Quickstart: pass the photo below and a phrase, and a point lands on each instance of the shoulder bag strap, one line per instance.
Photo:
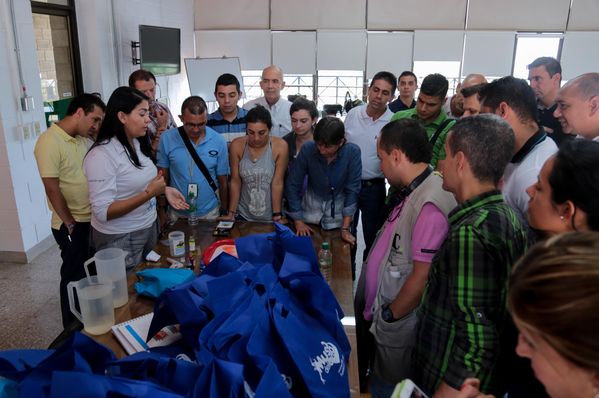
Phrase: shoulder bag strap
(197, 159)
(435, 136)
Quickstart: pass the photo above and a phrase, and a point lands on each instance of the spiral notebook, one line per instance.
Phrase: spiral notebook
(132, 334)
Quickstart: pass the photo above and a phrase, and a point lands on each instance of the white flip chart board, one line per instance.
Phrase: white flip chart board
(203, 72)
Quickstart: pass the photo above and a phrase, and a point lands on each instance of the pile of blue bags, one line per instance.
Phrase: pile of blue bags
(265, 324)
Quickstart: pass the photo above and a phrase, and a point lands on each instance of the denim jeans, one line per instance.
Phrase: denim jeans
(380, 388)
(370, 204)
(74, 250)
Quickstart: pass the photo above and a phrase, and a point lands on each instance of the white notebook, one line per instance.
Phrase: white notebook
(132, 334)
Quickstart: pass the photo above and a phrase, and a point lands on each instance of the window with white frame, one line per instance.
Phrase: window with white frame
(530, 46)
(334, 85)
(299, 84)
(251, 84)
(449, 69)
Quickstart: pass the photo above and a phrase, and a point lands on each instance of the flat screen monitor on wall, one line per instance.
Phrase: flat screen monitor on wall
(160, 49)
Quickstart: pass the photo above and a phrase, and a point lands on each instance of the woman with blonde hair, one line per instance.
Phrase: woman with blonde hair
(554, 300)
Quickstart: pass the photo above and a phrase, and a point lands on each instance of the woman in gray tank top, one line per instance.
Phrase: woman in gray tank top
(258, 163)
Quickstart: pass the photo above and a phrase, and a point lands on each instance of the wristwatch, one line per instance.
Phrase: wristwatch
(387, 314)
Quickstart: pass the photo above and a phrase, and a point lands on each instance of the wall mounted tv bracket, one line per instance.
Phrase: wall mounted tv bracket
(135, 59)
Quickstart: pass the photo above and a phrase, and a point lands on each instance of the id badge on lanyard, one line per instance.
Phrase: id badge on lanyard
(192, 189)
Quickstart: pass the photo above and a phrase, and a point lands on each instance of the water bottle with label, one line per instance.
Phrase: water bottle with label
(193, 251)
(192, 219)
(325, 261)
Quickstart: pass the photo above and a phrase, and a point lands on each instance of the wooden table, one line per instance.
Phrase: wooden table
(341, 282)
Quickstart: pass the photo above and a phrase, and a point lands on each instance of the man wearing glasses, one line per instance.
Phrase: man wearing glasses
(182, 171)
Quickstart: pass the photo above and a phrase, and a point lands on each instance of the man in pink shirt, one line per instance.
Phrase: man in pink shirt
(396, 271)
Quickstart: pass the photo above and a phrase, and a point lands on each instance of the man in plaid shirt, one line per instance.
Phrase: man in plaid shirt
(463, 312)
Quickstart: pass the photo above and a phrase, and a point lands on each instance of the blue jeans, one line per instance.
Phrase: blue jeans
(379, 388)
(370, 203)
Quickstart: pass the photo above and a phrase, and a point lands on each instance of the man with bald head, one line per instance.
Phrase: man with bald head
(471, 100)
(455, 106)
(271, 84)
(578, 106)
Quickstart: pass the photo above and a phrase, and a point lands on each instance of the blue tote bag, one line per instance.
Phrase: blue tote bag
(85, 385)
(220, 379)
(171, 373)
(320, 358)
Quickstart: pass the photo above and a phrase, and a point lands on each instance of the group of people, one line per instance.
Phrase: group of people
(471, 188)
(431, 299)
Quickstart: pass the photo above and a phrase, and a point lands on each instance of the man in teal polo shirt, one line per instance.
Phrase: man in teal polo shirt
(429, 112)
(179, 167)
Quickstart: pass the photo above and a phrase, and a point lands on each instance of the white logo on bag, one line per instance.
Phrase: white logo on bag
(287, 380)
(184, 357)
(325, 361)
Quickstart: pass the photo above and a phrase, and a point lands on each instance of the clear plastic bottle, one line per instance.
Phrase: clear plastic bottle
(325, 261)
(193, 218)
(192, 254)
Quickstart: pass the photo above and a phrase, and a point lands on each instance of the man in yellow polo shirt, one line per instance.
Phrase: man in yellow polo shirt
(59, 153)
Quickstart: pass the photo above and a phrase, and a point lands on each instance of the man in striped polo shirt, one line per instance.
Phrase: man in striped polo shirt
(463, 313)
(228, 119)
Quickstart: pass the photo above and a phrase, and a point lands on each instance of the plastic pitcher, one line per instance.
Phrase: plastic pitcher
(110, 263)
(95, 300)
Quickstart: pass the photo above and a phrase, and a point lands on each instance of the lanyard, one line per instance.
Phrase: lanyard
(190, 165)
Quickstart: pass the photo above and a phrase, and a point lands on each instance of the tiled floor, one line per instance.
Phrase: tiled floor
(29, 304)
(29, 301)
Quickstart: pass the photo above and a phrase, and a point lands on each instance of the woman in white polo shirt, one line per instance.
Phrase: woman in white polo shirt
(123, 180)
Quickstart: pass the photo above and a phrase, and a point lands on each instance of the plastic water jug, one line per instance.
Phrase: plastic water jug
(95, 301)
(110, 263)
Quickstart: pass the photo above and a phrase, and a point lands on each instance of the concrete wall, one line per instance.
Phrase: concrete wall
(24, 214)
(106, 64)
(105, 43)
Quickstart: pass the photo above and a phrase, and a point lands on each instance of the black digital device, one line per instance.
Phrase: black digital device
(160, 49)
(223, 228)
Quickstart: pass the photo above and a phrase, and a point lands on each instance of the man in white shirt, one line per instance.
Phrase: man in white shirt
(578, 106)
(454, 107)
(362, 126)
(514, 101)
(271, 84)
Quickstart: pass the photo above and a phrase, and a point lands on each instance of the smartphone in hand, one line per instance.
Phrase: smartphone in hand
(407, 389)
